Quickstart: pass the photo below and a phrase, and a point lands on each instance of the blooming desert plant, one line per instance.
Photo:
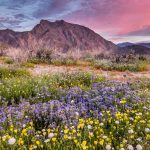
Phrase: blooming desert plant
(86, 113)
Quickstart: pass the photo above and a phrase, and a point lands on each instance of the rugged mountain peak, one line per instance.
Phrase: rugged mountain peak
(6, 31)
(48, 23)
(59, 35)
(60, 21)
(44, 21)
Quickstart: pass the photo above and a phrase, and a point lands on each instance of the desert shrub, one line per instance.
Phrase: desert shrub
(3, 48)
(109, 65)
(70, 62)
(64, 61)
(44, 55)
(18, 55)
(28, 65)
(102, 64)
(8, 60)
(142, 58)
(36, 61)
(99, 56)
(87, 57)
(57, 62)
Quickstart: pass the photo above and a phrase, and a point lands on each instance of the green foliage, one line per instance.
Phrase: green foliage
(28, 65)
(81, 79)
(7, 72)
(65, 61)
(8, 61)
(44, 55)
(109, 65)
(16, 89)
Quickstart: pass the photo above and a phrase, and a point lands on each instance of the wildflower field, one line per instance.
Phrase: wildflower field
(79, 111)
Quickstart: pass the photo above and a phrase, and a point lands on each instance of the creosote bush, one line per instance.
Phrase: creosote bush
(44, 55)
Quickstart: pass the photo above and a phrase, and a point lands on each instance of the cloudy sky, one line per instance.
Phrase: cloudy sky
(116, 20)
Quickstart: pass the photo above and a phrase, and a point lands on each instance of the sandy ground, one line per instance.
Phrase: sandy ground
(51, 69)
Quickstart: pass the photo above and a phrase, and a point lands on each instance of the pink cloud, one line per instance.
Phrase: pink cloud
(110, 18)
(114, 17)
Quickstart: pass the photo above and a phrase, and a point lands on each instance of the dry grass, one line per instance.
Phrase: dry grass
(18, 55)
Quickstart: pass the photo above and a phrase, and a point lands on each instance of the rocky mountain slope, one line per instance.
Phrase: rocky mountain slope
(59, 35)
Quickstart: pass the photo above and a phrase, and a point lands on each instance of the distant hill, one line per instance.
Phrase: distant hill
(144, 44)
(138, 49)
(125, 44)
(59, 35)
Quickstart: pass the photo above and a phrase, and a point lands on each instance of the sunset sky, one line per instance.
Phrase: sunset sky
(115, 20)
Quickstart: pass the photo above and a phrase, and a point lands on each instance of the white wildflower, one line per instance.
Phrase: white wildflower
(12, 141)
(130, 131)
(72, 101)
(47, 140)
(117, 122)
(76, 113)
(50, 135)
(104, 137)
(89, 127)
(130, 147)
(24, 125)
(108, 147)
(139, 139)
(139, 147)
(147, 130)
(43, 130)
(35, 147)
(101, 124)
(131, 118)
(4, 137)
(90, 133)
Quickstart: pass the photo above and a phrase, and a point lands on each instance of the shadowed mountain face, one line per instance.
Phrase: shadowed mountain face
(138, 48)
(145, 44)
(125, 44)
(59, 35)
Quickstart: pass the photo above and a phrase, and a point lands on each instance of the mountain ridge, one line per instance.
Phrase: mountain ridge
(138, 48)
(59, 35)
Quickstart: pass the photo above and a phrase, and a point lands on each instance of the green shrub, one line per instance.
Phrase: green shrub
(109, 65)
(44, 55)
(102, 64)
(28, 65)
(9, 61)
